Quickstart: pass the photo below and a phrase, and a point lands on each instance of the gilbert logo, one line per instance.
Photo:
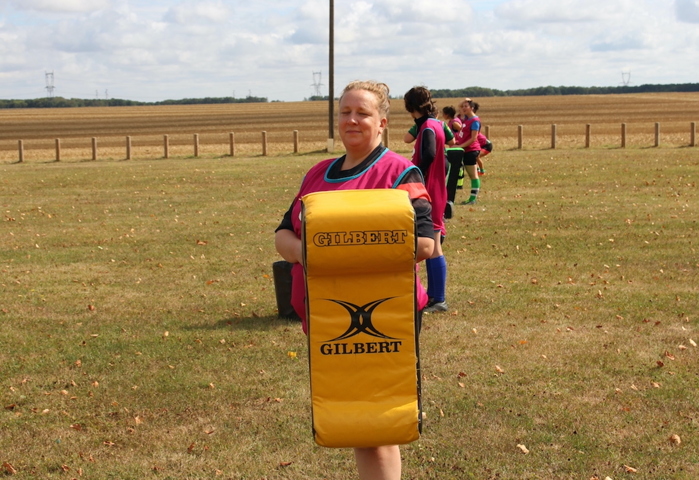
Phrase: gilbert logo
(373, 237)
(360, 322)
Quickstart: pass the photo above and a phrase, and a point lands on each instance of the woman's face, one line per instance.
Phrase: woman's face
(465, 108)
(360, 123)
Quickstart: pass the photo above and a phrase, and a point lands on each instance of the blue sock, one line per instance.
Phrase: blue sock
(437, 278)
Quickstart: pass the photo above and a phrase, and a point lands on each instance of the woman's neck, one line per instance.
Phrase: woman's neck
(355, 157)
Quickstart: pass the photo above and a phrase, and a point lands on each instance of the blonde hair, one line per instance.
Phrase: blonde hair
(380, 91)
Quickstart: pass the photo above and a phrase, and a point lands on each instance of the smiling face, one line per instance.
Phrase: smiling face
(360, 123)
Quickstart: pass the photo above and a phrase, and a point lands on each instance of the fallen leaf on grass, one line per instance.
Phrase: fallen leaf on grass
(675, 439)
(499, 369)
(524, 449)
(694, 344)
(630, 469)
(291, 355)
(285, 464)
(9, 469)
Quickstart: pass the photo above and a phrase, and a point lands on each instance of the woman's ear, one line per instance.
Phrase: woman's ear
(383, 123)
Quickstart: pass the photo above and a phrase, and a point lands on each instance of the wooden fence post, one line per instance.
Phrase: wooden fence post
(487, 131)
(553, 136)
(128, 148)
(385, 137)
(196, 144)
(296, 141)
(588, 132)
(58, 149)
(264, 143)
(20, 146)
(166, 146)
(657, 134)
(693, 134)
(94, 148)
(520, 135)
(623, 135)
(231, 141)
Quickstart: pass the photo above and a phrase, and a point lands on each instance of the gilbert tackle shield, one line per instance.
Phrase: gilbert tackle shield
(359, 253)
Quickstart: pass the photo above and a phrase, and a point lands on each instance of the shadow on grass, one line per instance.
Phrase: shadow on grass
(250, 323)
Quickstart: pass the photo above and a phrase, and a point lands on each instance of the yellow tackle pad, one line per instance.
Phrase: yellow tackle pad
(359, 253)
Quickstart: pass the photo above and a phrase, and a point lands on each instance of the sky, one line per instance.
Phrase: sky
(153, 50)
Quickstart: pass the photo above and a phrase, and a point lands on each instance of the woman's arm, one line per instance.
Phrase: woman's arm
(469, 140)
(288, 245)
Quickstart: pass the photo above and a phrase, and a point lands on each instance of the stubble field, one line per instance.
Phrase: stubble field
(38, 128)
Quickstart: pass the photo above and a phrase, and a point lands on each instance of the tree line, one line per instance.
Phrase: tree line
(551, 90)
(60, 102)
(478, 92)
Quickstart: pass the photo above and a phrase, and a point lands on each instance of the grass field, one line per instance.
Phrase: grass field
(140, 338)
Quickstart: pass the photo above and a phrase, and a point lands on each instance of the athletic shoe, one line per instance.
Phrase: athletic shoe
(449, 210)
(434, 307)
(469, 202)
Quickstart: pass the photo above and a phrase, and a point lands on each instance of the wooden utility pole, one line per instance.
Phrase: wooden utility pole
(331, 82)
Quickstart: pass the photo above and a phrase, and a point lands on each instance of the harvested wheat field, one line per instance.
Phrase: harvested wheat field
(39, 129)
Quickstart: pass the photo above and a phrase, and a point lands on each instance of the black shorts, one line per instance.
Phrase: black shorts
(488, 147)
(471, 157)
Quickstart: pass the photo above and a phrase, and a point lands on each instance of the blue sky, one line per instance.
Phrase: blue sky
(152, 50)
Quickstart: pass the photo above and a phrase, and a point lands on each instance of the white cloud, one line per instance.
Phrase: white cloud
(197, 12)
(60, 6)
(564, 10)
(687, 10)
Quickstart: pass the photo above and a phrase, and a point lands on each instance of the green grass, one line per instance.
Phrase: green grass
(140, 340)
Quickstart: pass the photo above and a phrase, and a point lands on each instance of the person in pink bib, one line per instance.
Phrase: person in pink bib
(367, 164)
(430, 157)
